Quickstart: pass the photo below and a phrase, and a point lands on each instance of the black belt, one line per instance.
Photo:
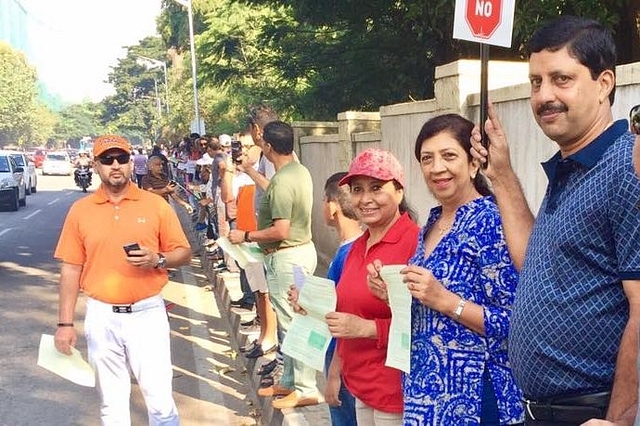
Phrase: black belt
(268, 251)
(571, 409)
(123, 309)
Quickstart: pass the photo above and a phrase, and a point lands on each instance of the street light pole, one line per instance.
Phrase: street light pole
(153, 63)
(187, 4)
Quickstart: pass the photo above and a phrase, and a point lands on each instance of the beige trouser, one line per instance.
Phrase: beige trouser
(371, 417)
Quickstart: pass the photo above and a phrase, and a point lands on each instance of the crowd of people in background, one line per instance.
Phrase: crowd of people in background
(515, 319)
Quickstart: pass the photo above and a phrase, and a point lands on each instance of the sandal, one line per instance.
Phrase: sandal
(267, 368)
(266, 381)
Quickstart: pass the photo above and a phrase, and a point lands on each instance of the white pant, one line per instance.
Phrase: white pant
(366, 415)
(137, 342)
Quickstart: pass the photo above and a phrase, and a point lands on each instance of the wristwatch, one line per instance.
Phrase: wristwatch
(162, 261)
(458, 312)
(246, 237)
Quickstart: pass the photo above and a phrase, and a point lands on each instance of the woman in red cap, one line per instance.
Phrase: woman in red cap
(361, 321)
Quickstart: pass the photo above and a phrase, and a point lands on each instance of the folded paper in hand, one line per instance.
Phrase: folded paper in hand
(71, 367)
(244, 253)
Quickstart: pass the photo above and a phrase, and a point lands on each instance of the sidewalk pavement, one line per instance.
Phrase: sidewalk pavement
(220, 346)
(226, 287)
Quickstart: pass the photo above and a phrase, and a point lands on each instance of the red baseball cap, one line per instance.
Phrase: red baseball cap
(375, 163)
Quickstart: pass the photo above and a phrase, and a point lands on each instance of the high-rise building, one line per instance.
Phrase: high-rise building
(14, 26)
(17, 28)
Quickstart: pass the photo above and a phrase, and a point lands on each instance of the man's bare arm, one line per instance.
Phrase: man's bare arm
(257, 177)
(68, 291)
(624, 396)
(517, 218)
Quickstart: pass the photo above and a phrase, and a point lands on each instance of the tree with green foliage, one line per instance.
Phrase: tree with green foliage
(133, 110)
(311, 60)
(18, 91)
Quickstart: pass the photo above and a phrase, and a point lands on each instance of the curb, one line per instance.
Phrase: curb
(226, 286)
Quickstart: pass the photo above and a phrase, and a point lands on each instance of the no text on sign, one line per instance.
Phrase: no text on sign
(484, 21)
(483, 17)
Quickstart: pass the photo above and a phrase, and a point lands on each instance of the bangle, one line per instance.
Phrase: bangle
(458, 312)
(65, 324)
(246, 237)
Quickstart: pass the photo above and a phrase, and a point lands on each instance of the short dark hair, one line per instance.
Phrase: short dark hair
(587, 40)
(279, 135)
(214, 144)
(339, 194)
(261, 115)
(460, 129)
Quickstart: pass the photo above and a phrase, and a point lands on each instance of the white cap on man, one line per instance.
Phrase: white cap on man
(225, 140)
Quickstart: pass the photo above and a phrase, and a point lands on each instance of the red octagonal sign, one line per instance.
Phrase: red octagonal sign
(483, 16)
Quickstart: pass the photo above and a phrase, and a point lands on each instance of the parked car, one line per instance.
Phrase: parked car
(30, 175)
(13, 191)
(57, 163)
(38, 156)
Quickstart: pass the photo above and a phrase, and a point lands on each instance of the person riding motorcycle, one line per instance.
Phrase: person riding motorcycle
(83, 160)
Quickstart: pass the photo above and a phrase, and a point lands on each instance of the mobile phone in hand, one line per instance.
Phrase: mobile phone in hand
(130, 247)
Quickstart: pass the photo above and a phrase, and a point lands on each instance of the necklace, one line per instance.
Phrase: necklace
(443, 229)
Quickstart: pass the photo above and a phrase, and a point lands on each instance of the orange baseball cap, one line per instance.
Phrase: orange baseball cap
(107, 142)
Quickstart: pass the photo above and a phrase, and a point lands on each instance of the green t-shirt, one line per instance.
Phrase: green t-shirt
(288, 196)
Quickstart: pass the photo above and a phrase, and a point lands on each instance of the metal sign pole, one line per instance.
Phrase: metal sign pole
(484, 91)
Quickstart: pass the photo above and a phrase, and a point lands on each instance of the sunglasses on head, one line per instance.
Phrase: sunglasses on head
(634, 119)
(109, 159)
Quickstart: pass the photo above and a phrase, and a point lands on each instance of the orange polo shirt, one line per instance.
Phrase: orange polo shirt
(94, 232)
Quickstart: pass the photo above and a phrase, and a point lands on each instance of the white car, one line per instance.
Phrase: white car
(57, 163)
(30, 176)
(13, 191)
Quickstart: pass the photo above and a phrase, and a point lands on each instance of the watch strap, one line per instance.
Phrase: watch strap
(458, 311)
(162, 261)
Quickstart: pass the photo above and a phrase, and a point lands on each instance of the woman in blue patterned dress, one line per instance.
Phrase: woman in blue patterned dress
(463, 284)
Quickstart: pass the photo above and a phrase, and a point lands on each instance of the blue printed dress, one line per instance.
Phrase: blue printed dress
(448, 360)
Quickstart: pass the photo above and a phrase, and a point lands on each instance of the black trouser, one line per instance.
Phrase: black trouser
(566, 410)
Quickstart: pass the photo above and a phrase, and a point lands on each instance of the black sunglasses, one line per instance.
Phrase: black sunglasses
(634, 120)
(108, 160)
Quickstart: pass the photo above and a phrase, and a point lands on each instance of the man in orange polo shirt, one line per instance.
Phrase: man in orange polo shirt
(126, 324)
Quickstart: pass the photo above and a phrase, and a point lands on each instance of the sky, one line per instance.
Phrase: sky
(76, 42)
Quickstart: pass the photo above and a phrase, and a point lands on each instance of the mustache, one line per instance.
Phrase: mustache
(553, 108)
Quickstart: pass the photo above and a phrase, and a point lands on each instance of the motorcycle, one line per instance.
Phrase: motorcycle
(83, 177)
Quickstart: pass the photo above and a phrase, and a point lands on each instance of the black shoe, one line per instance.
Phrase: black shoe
(250, 322)
(257, 352)
(220, 267)
(249, 347)
(245, 306)
(237, 303)
(267, 368)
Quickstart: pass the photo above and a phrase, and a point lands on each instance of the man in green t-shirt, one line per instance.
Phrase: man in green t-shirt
(284, 234)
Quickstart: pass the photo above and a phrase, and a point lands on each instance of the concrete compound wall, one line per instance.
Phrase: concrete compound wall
(328, 147)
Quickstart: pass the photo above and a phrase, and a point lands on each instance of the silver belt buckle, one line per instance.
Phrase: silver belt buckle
(122, 309)
(528, 403)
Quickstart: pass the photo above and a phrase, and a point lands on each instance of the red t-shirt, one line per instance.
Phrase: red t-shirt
(363, 369)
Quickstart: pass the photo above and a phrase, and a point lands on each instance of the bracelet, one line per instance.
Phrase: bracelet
(458, 312)
(65, 324)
